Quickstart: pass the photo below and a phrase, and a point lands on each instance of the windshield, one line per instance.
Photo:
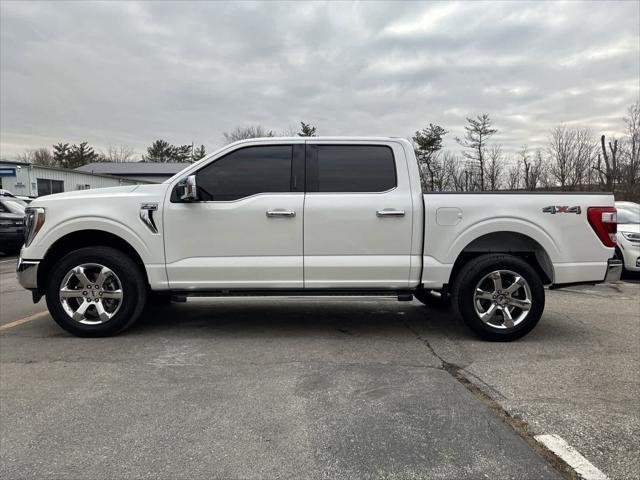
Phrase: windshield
(14, 206)
(629, 214)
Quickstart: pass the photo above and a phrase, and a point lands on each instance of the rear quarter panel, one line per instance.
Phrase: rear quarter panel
(454, 220)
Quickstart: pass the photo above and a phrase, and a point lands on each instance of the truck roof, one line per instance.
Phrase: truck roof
(320, 139)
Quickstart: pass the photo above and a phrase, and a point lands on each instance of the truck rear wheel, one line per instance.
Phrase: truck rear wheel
(95, 292)
(500, 297)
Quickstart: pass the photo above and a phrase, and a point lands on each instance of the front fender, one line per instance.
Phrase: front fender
(46, 238)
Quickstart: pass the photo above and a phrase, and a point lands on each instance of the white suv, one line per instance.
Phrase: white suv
(628, 249)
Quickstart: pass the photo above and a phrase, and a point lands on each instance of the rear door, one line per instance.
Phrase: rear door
(357, 216)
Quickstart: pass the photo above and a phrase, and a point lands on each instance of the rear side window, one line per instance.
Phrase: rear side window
(246, 172)
(350, 168)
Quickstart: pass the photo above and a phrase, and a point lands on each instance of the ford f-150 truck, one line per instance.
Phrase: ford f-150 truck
(311, 216)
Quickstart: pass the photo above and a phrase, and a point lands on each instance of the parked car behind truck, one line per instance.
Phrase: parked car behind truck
(628, 238)
(11, 224)
(315, 216)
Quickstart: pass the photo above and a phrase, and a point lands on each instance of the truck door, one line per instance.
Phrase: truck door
(245, 230)
(357, 216)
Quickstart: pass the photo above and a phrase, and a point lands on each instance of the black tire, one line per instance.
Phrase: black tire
(156, 303)
(465, 287)
(134, 290)
(159, 299)
(619, 256)
(433, 298)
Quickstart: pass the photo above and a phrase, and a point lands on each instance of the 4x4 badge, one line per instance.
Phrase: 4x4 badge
(563, 209)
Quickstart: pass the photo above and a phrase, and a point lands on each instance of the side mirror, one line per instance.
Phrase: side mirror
(188, 190)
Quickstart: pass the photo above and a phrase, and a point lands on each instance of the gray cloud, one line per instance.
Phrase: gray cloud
(128, 73)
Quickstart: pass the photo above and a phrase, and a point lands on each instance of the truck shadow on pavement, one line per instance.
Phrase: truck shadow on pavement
(293, 317)
(271, 318)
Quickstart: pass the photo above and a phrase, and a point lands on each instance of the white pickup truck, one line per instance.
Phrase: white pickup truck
(311, 216)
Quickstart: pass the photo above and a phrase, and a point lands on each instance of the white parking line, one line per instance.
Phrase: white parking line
(11, 260)
(583, 467)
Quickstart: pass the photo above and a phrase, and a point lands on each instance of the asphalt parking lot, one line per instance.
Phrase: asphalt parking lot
(318, 388)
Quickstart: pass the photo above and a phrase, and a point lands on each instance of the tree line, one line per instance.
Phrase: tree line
(65, 155)
(573, 159)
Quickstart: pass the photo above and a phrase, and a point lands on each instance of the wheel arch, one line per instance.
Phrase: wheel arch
(86, 238)
(508, 242)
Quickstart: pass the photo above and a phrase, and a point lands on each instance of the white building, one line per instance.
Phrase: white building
(34, 180)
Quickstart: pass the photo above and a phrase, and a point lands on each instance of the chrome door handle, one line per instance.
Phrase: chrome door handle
(279, 212)
(390, 212)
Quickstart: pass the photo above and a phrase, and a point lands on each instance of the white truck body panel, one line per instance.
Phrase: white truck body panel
(335, 240)
(213, 245)
(346, 243)
(575, 251)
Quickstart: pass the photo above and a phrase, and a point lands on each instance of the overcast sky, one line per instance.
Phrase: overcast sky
(128, 73)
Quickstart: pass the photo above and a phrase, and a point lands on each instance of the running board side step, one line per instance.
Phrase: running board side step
(180, 296)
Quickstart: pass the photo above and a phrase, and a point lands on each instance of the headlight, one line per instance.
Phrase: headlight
(33, 221)
(631, 236)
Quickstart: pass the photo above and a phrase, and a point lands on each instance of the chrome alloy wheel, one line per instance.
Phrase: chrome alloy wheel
(502, 299)
(91, 293)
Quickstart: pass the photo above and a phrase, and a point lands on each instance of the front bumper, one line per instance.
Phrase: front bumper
(614, 270)
(630, 254)
(27, 273)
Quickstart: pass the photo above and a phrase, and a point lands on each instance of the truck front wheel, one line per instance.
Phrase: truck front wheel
(95, 292)
(500, 297)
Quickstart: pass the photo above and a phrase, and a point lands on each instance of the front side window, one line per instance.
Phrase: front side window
(245, 172)
(352, 168)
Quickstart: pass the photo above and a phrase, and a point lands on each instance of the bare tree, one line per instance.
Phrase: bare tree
(514, 177)
(560, 151)
(532, 168)
(243, 133)
(584, 156)
(493, 168)
(444, 174)
(458, 175)
(608, 172)
(478, 131)
(630, 170)
(38, 156)
(119, 154)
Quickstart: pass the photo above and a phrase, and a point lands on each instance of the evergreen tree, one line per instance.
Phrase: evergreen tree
(160, 151)
(307, 130)
(60, 154)
(427, 144)
(198, 153)
(181, 153)
(478, 132)
(79, 155)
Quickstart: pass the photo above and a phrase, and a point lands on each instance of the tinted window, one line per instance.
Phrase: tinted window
(246, 172)
(355, 168)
